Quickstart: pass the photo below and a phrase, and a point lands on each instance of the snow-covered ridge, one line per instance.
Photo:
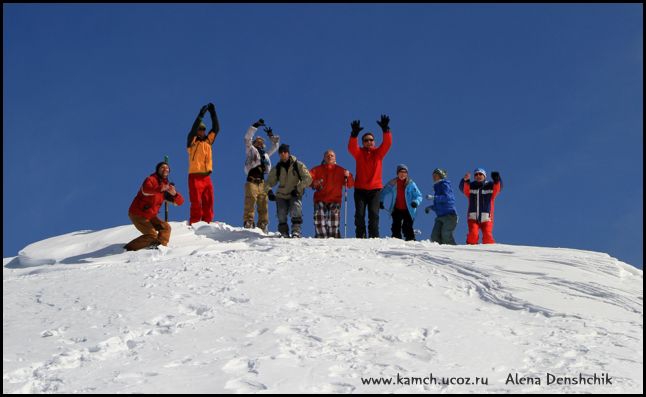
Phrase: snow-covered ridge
(224, 309)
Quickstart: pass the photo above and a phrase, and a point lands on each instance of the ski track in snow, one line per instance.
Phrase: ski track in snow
(228, 310)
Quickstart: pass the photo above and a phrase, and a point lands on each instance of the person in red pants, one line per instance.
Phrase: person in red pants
(481, 194)
(200, 166)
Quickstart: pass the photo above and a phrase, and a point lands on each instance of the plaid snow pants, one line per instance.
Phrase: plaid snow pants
(327, 219)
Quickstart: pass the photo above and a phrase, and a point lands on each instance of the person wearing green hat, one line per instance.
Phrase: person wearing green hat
(444, 207)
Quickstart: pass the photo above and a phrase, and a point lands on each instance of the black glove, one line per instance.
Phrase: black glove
(211, 108)
(271, 196)
(203, 110)
(495, 175)
(384, 123)
(356, 128)
(294, 193)
(381, 205)
(413, 204)
(427, 209)
(259, 123)
(269, 132)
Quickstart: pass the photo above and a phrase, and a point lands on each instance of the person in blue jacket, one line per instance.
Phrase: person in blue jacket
(444, 207)
(401, 197)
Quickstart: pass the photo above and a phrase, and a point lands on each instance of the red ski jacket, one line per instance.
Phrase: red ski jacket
(328, 181)
(368, 176)
(150, 197)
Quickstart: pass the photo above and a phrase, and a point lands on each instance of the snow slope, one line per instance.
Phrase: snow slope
(223, 310)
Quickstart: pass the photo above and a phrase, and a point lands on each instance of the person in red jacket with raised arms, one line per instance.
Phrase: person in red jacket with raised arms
(367, 184)
(328, 179)
(144, 208)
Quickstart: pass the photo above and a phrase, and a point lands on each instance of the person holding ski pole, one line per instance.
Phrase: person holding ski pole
(200, 165)
(144, 208)
(328, 180)
(401, 197)
(481, 194)
(368, 184)
(444, 207)
(257, 164)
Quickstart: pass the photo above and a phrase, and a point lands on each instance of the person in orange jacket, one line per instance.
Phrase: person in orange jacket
(200, 165)
(144, 208)
(368, 184)
(328, 180)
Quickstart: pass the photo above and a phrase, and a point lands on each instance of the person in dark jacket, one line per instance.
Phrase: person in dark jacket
(368, 184)
(444, 207)
(144, 208)
(481, 194)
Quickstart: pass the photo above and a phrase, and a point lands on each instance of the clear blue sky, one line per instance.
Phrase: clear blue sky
(549, 95)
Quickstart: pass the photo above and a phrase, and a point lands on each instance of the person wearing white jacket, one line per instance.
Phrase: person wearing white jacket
(257, 165)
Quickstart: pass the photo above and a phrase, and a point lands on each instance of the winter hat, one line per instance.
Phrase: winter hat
(202, 126)
(283, 148)
(480, 171)
(402, 167)
(259, 138)
(440, 172)
(159, 165)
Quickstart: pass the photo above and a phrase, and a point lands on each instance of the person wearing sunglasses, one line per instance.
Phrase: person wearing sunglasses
(481, 194)
(367, 182)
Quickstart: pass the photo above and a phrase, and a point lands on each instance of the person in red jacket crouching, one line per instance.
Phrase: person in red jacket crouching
(328, 180)
(367, 185)
(144, 208)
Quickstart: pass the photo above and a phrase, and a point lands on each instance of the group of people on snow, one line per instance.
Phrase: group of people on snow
(400, 196)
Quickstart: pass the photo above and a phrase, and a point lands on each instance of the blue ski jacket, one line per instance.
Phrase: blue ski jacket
(444, 200)
(389, 196)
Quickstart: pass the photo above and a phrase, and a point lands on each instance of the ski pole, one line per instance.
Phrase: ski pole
(345, 217)
(165, 202)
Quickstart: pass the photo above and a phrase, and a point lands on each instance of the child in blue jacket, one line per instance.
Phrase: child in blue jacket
(402, 197)
(444, 207)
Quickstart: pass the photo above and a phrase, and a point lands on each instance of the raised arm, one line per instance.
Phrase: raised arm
(388, 138)
(215, 124)
(353, 146)
(193, 132)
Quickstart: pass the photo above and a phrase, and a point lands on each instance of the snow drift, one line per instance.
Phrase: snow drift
(224, 309)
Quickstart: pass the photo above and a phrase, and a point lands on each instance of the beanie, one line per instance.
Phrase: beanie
(402, 167)
(159, 165)
(480, 171)
(440, 172)
(202, 126)
(283, 148)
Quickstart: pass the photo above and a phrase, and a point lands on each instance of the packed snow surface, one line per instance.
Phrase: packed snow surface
(228, 310)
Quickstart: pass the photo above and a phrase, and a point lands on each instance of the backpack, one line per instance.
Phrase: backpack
(298, 173)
